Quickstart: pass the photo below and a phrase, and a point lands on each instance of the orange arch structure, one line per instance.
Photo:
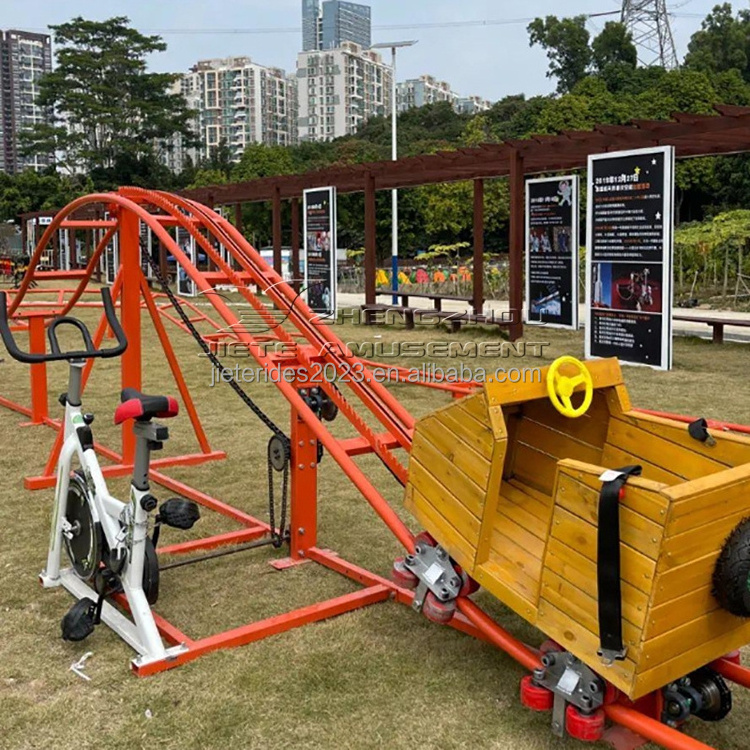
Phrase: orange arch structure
(380, 423)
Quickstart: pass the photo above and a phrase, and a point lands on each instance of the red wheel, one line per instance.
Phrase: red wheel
(468, 586)
(425, 537)
(584, 727)
(734, 657)
(402, 576)
(437, 611)
(535, 697)
(550, 645)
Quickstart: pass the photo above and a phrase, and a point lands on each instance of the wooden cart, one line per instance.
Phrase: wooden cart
(510, 488)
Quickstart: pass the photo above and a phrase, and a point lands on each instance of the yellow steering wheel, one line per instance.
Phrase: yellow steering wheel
(561, 387)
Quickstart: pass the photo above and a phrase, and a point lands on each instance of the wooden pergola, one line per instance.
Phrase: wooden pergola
(725, 132)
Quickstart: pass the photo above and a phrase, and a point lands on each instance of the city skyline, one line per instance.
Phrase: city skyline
(491, 60)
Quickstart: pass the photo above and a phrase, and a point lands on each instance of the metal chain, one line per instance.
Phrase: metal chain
(280, 535)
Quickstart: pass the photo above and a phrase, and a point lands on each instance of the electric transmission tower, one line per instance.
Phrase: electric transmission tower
(648, 22)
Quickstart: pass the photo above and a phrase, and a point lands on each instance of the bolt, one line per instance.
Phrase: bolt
(301, 466)
(594, 687)
(549, 659)
(301, 530)
(586, 700)
(455, 581)
(538, 675)
(410, 559)
(313, 465)
(441, 553)
(301, 443)
(312, 442)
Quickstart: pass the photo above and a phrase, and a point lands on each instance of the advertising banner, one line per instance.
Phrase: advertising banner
(320, 245)
(629, 256)
(552, 251)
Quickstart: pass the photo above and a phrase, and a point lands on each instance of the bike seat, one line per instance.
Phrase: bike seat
(139, 406)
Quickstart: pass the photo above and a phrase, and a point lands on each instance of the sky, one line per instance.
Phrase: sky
(491, 61)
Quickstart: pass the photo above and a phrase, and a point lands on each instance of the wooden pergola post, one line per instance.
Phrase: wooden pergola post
(238, 217)
(515, 242)
(478, 279)
(277, 229)
(371, 241)
(295, 245)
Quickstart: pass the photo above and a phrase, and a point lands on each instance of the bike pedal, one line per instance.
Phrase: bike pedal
(80, 620)
(178, 513)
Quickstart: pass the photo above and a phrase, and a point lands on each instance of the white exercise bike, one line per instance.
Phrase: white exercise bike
(114, 567)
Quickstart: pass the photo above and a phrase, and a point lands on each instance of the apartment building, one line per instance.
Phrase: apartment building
(339, 89)
(241, 102)
(471, 105)
(417, 92)
(24, 58)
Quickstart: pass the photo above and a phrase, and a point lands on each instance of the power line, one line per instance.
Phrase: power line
(377, 27)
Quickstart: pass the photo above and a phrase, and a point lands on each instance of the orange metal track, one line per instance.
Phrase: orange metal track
(367, 405)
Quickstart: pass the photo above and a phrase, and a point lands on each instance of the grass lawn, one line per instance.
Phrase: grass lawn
(381, 677)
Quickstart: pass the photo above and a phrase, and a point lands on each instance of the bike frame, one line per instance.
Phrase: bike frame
(124, 526)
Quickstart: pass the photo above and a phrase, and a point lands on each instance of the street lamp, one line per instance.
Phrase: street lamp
(394, 155)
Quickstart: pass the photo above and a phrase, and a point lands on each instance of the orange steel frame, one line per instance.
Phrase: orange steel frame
(313, 344)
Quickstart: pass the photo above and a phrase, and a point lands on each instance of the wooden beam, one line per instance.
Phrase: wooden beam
(295, 245)
(516, 244)
(371, 240)
(277, 229)
(478, 285)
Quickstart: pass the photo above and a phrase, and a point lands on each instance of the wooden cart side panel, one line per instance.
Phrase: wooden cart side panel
(657, 450)
(568, 604)
(424, 511)
(729, 449)
(685, 627)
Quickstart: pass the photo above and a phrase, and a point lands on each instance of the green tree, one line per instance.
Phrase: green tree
(259, 160)
(614, 46)
(108, 110)
(721, 43)
(566, 41)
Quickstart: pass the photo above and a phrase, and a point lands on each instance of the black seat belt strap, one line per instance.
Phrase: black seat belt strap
(609, 584)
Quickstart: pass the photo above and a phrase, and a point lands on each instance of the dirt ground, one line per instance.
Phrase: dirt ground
(380, 677)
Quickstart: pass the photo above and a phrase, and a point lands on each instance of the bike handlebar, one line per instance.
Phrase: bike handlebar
(90, 352)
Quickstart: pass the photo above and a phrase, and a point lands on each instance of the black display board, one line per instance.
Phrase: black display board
(320, 249)
(629, 256)
(552, 251)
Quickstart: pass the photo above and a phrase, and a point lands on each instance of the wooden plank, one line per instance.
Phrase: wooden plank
(636, 568)
(449, 472)
(583, 609)
(683, 461)
(730, 449)
(520, 513)
(682, 579)
(518, 566)
(456, 545)
(542, 497)
(507, 527)
(685, 608)
(444, 502)
(690, 635)
(534, 468)
(697, 511)
(710, 649)
(614, 457)
(682, 548)
(583, 644)
(591, 428)
(501, 583)
(491, 500)
(556, 444)
(582, 501)
(721, 480)
(475, 405)
(532, 504)
(581, 572)
(642, 495)
(605, 373)
(467, 429)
